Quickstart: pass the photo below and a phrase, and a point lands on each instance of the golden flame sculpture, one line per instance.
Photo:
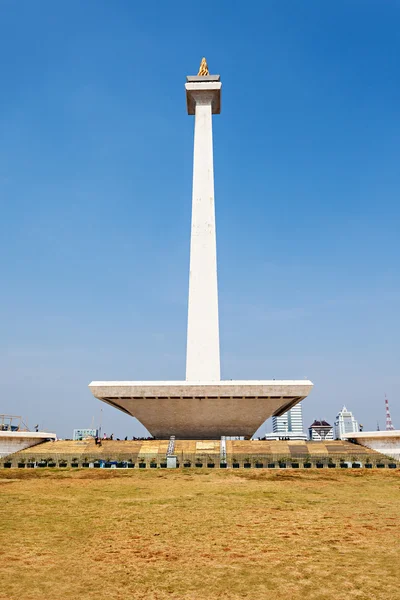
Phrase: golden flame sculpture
(203, 71)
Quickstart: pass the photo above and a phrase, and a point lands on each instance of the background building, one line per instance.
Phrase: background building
(288, 426)
(345, 423)
(80, 434)
(320, 430)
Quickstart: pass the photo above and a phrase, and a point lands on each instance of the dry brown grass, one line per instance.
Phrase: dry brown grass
(215, 534)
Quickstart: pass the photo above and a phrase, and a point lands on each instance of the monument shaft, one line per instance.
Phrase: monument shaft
(202, 353)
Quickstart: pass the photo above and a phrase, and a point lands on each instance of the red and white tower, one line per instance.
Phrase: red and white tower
(389, 424)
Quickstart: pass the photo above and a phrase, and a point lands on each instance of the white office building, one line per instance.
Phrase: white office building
(320, 431)
(345, 423)
(288, 426)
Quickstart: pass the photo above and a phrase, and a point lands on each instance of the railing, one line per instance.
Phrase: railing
(198, 460)
(12, 423)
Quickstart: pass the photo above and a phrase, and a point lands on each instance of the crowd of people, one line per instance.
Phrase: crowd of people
(98, 439)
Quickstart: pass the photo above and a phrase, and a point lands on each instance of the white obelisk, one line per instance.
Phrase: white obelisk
(203, 407)
(202, 353)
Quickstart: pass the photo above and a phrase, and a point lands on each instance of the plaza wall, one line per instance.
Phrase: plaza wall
(191, 452)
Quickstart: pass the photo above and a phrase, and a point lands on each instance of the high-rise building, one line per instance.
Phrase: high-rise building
(345, 423)
(288, 426)
(320, 431)
(290, 421)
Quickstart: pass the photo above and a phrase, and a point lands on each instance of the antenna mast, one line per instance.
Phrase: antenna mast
(389, 424)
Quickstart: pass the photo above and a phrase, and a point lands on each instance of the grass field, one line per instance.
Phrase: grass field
(212, 534)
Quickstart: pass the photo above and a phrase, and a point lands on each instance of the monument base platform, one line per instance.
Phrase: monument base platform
(202, 410)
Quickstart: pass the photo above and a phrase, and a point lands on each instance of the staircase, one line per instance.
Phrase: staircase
(171, 446)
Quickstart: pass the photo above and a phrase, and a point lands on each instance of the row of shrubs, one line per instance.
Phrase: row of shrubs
(75, 463)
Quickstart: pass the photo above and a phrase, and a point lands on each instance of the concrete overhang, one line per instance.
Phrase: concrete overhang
(202, 410)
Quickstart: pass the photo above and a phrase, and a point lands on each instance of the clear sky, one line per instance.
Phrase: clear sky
(95, 191)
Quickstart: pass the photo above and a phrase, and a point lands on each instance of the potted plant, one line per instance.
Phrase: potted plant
(343, 464)
(319, 464)
(187, 463)
(210, 463)
(235, 463)
(331, 464)
(271, 465)
(392, 465)
(223, 464)
(51, 462)
(380, 465)
(62, 462)
(246, 463)
(258, 464)
(85, 463)
(21, 463)
(96, 464)
(307, 462)
(295, 464)
(199, 462)
(142, 463)
(163, 464)
(368, 463)
(42, 463)
(153, 463)
(121, 464)
(7, 464)
(74, 462)
(282, 463)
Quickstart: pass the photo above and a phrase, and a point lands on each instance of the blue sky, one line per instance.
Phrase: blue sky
(95, 191)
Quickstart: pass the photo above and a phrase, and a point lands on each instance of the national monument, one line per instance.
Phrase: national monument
(203, 406)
